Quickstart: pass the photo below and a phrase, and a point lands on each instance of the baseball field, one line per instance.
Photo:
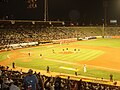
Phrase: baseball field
(101, 57)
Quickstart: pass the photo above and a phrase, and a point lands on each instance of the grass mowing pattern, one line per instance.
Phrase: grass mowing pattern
(52, 59)
(54, 67)
(84, 54)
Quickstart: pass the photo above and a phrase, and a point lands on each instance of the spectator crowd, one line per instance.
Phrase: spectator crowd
(32, 80)
(18, 80)
(39, 34)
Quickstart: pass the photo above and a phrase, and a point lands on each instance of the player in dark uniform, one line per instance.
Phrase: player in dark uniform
(40, 55)
(63, 50)
(48, 69)
(78, 50)
(13, 65)
(67, 49)
(75, 50)
(53, 51)
(111, 77)
(28, 54)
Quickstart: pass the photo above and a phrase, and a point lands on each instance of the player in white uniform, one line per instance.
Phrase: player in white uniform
(84, 68)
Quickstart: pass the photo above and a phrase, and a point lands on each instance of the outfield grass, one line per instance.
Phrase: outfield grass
(55, 67)
(67, 59)
(102, 42)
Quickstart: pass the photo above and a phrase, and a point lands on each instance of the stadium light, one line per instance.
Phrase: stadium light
(105, 5)
(45, 10)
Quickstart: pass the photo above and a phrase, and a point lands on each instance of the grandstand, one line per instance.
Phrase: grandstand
(16, 34)
(29, 31)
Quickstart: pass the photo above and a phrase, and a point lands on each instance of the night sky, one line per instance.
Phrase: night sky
(89, 11)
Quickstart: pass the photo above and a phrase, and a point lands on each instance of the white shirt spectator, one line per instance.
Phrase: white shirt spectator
(14, 87)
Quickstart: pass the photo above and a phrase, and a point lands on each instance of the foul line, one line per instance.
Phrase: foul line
(71, 63)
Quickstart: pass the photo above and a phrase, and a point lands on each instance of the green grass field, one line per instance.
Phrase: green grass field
(68, 59)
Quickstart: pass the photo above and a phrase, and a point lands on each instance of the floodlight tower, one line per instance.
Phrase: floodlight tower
(105, 5)
(45, 10)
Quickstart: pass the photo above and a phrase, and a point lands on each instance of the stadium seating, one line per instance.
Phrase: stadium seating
(16, 33)
(8, 76)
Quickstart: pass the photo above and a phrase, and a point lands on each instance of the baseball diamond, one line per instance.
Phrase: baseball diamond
(101, 60)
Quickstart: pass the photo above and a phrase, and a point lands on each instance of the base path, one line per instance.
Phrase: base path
(109, 60)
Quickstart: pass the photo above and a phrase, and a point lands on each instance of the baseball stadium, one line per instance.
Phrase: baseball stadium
(59, 44)
(90, 53)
